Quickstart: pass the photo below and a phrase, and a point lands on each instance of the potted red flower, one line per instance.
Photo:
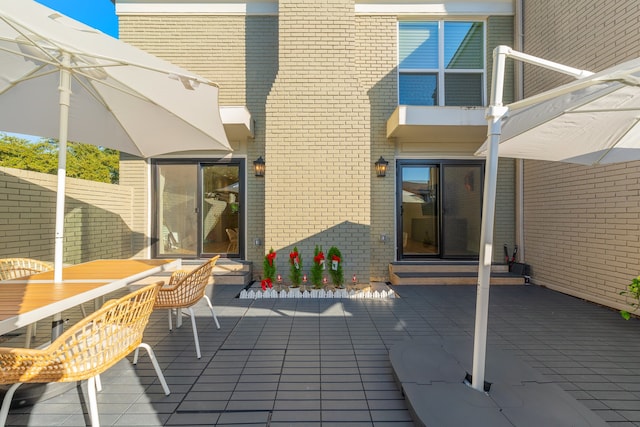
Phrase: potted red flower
(295, 267)
(318, 267)
(268, 270)
(337, 275)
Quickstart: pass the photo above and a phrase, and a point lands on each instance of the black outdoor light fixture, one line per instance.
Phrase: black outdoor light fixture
(258, 166)
(381, 167)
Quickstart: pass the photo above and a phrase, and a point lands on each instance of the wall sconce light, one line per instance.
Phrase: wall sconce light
(258, 166)
(381, 167)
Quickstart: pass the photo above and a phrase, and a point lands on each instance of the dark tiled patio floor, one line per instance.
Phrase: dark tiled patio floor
(325, 362)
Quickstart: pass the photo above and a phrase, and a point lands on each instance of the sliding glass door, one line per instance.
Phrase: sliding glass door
(199, 208)
(419, 210)
(461, 210)
(439, 209)
(220, 209)
(177, 202)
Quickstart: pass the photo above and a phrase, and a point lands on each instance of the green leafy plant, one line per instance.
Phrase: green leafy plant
(318, 266)
(633, 292)
(335, 260)
(295, 267)
(269, 266)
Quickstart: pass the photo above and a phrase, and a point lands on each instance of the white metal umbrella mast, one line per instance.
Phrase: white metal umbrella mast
(65, 99)
(61, 78)
(495, 113)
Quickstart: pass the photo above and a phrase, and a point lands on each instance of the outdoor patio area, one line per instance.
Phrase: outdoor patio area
(325, 362)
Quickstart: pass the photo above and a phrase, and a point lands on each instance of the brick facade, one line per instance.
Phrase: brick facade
(98, 218)
(581, 224)
(318, 152)
(320, 80)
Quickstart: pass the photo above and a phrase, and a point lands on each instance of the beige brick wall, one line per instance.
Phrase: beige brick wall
(586, 34)
(320, 96)
(500, 32)
(375, 60)
(318, 153)
(240, 53)
(211, 46)
(261, 40)
(97, 217)
(582, 233)
(134, 175)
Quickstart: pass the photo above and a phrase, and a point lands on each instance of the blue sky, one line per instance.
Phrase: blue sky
(98, 14)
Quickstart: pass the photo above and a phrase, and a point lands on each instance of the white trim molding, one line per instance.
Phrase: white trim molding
(196, 7)
(435, 7)
(270, 7)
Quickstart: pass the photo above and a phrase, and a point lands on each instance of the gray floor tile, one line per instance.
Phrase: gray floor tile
(295, 416)
(320, 366)
(344, 404)
(247, 417)
(346, 416)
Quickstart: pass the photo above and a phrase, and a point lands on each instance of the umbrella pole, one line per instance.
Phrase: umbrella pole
(494, 117)
(495, 113)
(65, 98)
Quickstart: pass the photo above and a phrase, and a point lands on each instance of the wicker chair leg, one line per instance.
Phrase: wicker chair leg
(6, 403)
(30, 333)
(156, 366)
(178, 318)
(170, 320)
(93, 402)
(213, 313)
(195, 332)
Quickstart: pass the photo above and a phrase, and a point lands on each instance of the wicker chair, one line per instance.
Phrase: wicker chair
(85, 350)
(14, 268)
(184, 290)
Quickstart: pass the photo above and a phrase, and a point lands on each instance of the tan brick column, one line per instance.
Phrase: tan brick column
(317, 139)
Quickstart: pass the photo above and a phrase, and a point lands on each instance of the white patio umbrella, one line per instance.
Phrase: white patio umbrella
(592, 120)
(62, 79)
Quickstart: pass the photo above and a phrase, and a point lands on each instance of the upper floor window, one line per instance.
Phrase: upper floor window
(441, 63)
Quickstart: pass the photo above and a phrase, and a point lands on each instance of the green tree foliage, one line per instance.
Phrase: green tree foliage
(84, 161)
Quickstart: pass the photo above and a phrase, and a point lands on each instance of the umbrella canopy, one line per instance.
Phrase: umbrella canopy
(62, 79)
(589, 121)
(120, 97)
(593, 120)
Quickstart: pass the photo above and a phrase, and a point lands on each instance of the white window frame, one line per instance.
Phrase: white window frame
(441, 70)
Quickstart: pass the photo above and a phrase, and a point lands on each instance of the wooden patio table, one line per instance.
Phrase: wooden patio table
(29, 299)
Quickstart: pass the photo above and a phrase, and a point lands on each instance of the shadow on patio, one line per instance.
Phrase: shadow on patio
(326, 363)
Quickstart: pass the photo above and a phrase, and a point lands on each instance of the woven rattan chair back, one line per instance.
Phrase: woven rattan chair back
(184, 290)
(14, 268)
(86, 349)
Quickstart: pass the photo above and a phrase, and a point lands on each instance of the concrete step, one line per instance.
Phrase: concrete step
(448, 273)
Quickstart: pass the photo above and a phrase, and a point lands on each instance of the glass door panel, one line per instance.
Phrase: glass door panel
(419, 225)
(220, 208)
(461, 210)
(177, 209)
